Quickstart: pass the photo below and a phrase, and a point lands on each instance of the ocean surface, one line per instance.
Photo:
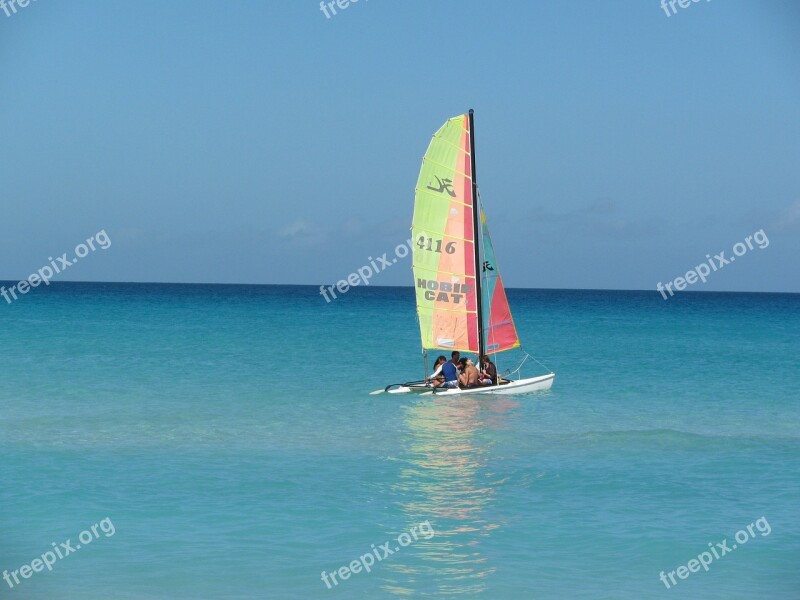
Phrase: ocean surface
(228, 435)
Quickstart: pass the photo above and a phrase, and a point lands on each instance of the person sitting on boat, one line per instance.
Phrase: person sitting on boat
(470, 378)
(450, 371)
(437, 378)
(488, 371)
(462, 366)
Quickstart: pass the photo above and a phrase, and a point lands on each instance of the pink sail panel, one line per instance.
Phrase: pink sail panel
(498, 326)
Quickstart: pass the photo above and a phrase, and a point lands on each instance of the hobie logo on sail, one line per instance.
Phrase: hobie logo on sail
(442, 291)
(445, 185)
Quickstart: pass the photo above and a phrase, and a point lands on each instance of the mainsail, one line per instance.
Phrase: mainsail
(450, 302)
(444, 242)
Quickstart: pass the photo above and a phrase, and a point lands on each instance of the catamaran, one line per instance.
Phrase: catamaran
(461, 301)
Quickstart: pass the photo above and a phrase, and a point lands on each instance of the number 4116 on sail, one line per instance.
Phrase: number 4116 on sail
(428, 244)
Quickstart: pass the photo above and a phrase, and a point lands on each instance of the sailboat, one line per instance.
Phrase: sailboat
(461, 300)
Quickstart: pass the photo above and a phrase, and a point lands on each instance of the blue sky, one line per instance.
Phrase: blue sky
(260, 142)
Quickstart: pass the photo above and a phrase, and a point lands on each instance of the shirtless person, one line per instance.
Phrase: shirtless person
(470, 378)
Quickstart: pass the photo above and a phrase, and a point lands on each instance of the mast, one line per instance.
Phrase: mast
(476, 233)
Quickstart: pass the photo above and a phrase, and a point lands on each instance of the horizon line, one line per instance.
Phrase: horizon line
(312, 285)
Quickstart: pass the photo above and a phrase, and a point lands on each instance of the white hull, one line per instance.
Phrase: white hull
(519, 386)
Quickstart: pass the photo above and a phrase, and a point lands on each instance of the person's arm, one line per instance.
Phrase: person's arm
(437, 372)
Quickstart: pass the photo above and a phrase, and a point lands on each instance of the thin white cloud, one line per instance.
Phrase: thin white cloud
(789, 218)
(301, 233)
(296, 228)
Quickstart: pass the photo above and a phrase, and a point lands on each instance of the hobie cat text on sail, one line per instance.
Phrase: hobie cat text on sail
(443, 291)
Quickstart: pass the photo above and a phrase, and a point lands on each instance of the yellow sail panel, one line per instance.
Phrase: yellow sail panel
(444, 242)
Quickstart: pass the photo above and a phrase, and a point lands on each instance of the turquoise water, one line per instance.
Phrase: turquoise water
(228, 434)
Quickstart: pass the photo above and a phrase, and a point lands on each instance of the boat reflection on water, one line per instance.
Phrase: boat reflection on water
(447, 479)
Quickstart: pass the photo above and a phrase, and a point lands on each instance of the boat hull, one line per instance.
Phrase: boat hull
(519, 386)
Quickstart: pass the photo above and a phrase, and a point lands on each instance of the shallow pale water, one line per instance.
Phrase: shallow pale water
(228, 434)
